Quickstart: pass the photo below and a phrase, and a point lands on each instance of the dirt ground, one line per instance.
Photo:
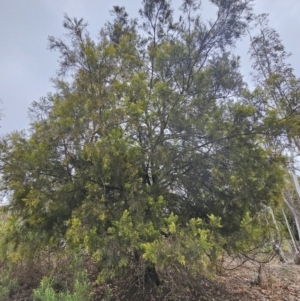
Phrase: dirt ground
(280, 282)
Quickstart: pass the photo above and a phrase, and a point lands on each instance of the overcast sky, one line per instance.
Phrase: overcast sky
(26, 65)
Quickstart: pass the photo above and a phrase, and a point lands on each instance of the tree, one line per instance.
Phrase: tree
(149, 152)
(279, 104)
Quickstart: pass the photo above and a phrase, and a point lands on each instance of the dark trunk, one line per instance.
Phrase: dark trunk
(151, 276)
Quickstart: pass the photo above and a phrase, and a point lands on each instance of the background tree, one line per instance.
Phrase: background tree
(278, 101)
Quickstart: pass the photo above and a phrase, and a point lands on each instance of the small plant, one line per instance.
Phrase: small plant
(76, 288)
(8, 283)
(81, 290)
(45, 292)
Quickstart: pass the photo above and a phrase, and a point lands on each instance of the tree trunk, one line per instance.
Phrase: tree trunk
(151, 277)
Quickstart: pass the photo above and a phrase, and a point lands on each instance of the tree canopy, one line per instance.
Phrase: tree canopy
(152, 149)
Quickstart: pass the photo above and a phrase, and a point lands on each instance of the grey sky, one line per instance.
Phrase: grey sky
(26, 65)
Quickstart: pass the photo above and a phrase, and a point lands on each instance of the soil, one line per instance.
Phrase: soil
(279, 282)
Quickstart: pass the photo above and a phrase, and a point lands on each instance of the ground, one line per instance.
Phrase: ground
(280, 282)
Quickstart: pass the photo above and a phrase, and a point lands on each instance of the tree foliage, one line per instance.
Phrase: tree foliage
(278, 88)
(151, 149)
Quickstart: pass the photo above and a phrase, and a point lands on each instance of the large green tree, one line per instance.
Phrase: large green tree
(150, 150)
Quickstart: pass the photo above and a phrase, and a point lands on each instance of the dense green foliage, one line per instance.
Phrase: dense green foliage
(152, 152)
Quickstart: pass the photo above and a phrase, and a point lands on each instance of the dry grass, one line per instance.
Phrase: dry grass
(280, 282)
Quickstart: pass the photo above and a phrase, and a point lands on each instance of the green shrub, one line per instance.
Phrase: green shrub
(8, 284)
(81, 289)
(71, 284)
